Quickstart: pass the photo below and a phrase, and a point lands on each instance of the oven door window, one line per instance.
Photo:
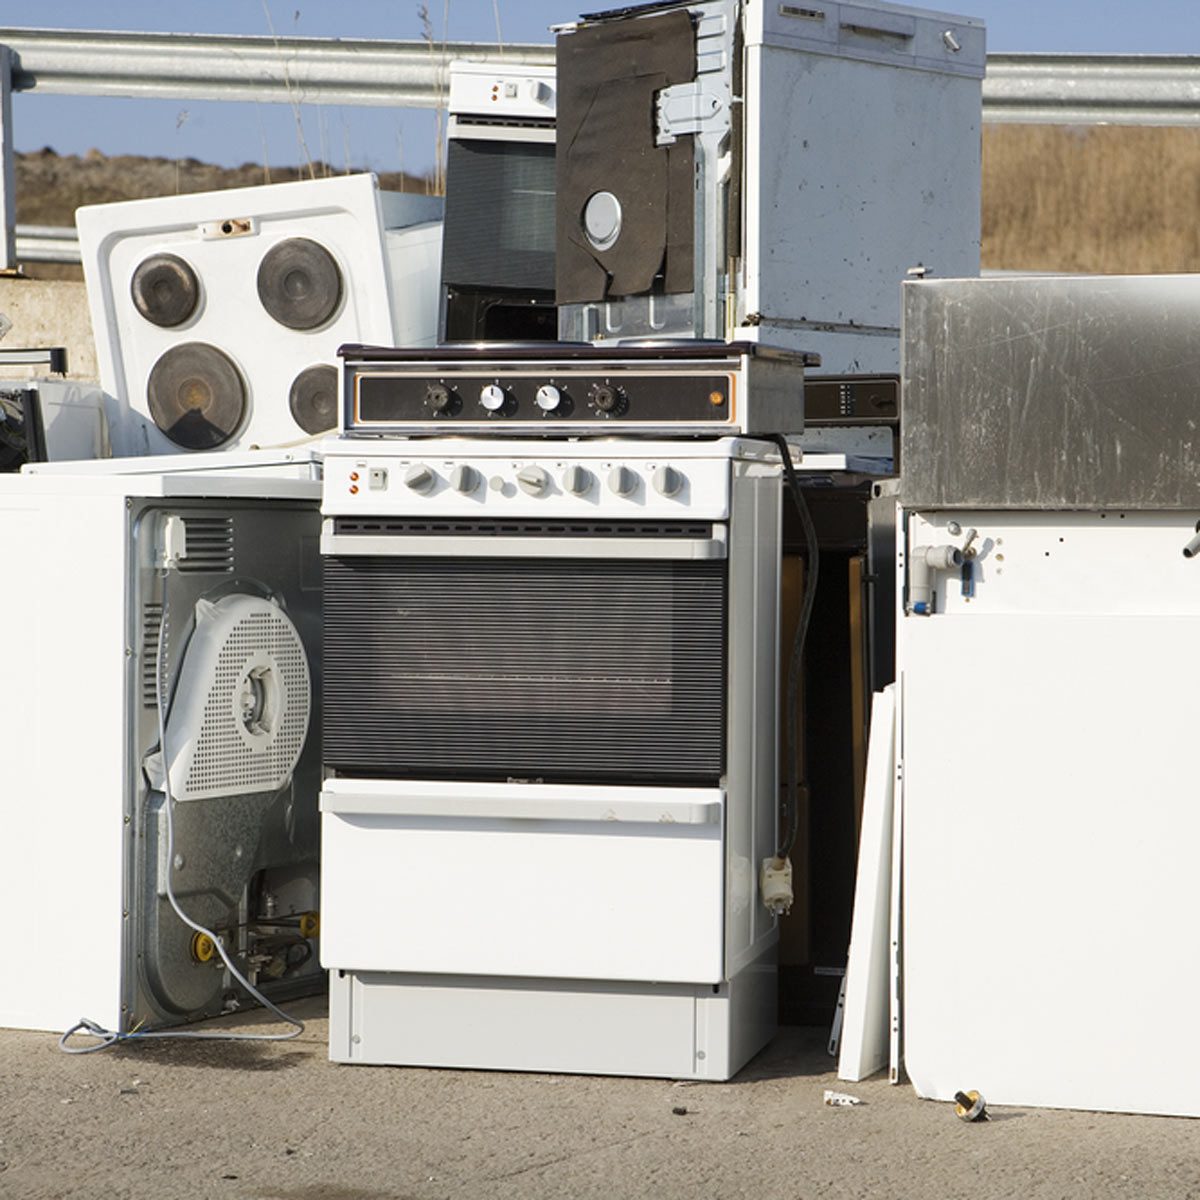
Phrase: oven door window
(499, 229)
(498, 669)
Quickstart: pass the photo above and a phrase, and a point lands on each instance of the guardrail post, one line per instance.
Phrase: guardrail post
(8, 180)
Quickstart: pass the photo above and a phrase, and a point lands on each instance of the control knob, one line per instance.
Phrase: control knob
(438, 397)
(548, 397)
(577, 480)
(608, 399)
(464, 479)
(668, 481)
(623, 481)
(493, 397)
(420, 478)
(533, 480)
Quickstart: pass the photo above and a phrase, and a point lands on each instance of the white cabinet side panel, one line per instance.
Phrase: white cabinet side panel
(865, 1024)
(1050, 832)
(62, 691)
(752, 804)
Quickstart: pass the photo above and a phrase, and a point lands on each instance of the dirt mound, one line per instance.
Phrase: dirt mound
(50, 186)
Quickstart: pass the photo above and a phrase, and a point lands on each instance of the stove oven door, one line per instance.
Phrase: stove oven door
(526, 725)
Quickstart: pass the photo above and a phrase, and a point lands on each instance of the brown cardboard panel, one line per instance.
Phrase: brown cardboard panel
(791, 596)
(608, 75)
(795, 930)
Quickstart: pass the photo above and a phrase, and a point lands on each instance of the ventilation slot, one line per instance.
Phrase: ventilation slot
(366, 526)
(209, 545)
(465, 124)
(152, 616)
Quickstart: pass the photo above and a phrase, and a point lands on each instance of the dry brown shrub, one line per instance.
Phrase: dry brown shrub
(1108, 199)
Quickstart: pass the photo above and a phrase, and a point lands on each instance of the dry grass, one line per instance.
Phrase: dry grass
(1106, 199)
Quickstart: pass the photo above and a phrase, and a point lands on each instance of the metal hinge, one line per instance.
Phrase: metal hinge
(686, 108)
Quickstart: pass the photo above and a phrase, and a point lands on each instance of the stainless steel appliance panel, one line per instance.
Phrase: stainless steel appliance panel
(1052, 393)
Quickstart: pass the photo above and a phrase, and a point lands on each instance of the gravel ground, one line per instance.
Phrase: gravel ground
(280, 1122)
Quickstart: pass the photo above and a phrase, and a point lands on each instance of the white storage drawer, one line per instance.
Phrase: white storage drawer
(537, 881)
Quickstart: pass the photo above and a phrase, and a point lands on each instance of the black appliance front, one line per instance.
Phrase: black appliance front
(498, 241)
(22, 433)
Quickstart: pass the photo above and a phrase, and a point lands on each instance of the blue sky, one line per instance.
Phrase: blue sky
(387, 140)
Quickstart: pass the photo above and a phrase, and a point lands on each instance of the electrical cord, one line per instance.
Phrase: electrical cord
(108, 1037)
(792, 810)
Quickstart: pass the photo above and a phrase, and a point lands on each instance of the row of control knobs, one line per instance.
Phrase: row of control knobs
(535, 481)
(494, 398)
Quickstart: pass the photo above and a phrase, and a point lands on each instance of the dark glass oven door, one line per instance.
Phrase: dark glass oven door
(502, 658)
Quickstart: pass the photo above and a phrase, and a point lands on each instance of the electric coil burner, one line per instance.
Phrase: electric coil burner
(196, 396)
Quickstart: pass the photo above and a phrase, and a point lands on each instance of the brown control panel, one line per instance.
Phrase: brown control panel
(539, 389)
(389, 398)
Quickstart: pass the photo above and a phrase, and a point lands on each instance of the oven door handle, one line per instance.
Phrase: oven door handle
(524, 808)
(342, 545)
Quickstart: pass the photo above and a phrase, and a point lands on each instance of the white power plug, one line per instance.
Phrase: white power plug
(775, 885)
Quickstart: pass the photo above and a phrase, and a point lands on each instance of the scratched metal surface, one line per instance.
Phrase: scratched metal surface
(1052, 393)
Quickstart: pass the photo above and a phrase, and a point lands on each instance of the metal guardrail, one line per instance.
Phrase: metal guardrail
(1092, 89)
(1058, 88)
(47, 244)
(223, 67)
(1028, 88)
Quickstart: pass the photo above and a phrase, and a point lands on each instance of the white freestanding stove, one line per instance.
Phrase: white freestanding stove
(550, 720)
